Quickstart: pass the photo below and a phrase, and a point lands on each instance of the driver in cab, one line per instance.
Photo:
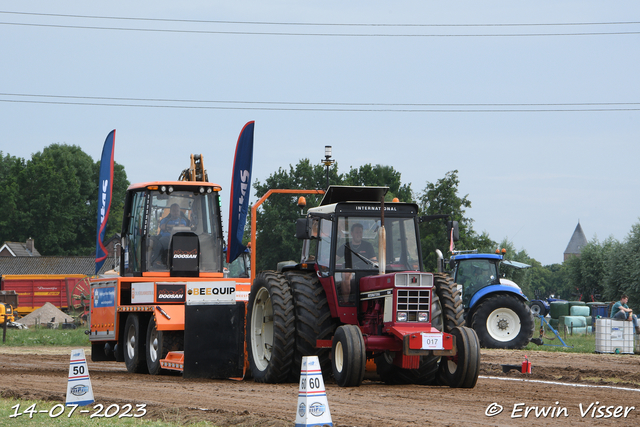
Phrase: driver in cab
(174, 219)
(357, 246)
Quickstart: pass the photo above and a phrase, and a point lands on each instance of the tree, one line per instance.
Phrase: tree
(381, 176)
(276, 217)
(275, 220)
(56, 200)
(10, 168)
(586, 273)
(441, 198)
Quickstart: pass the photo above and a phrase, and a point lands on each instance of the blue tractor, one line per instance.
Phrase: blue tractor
(495, 307)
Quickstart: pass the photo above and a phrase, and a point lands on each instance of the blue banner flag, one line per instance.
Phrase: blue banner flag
(105, 186)
(240, 189)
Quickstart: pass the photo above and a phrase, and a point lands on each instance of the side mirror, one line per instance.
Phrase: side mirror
(453, 225)
(303, 228)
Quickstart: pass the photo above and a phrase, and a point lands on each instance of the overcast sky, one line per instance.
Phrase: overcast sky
(536, 104)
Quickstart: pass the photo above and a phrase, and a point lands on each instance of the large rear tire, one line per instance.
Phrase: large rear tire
(503, 321)
(270, 328)
(134, 345)
(313, 320)
(453, 320)
(348, 356)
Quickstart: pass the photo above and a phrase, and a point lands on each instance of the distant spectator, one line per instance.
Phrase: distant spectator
(621, 311)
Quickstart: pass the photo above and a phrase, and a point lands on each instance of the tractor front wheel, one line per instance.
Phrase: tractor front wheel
(461, 370)
(349, 357)
(270, 328)
(503, 321)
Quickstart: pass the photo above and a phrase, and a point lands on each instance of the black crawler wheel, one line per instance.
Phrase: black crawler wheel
(270, 328)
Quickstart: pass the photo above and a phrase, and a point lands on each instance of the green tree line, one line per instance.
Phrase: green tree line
(276, 218)
(52, 198)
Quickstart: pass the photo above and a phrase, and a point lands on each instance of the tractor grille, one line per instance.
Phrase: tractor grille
(413, 301)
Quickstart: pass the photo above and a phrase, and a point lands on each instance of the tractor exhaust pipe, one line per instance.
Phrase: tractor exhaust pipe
(382, 242)
(440, 261)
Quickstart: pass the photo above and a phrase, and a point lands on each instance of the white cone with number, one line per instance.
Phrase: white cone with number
(313, 407)
(79, 391)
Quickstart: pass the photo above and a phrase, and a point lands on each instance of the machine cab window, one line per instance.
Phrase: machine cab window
(474, 274)
(157, 216)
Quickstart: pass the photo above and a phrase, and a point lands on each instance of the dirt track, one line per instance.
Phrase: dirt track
(41, 373)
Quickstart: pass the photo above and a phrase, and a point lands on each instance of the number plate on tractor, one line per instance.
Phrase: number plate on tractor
(426, 341)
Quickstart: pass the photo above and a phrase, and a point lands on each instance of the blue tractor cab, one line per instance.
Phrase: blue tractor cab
(495, 307)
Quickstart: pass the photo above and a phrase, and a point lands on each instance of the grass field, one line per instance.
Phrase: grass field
(36, 336)
(576, 343)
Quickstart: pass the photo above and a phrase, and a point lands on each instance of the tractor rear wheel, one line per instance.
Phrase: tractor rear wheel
(159, 343)
(450, 301)
(270, 328)
(461, 370)
(348, 356)
(453, 322)
(313, 320)
(503, 321)
(134, 345)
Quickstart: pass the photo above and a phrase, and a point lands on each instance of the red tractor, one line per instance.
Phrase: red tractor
(359, 293)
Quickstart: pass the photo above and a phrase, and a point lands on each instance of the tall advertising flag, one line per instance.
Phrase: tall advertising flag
(240, 189)
(105, 186)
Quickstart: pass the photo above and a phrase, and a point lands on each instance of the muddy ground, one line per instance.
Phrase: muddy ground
(557, 381)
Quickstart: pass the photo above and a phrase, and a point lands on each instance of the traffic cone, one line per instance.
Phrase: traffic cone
(313, 407)
(79, 391)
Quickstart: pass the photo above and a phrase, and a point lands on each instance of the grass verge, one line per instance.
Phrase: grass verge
(36, 336)
(576, 343)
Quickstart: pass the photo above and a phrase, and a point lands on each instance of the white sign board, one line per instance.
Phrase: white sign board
(210, 293)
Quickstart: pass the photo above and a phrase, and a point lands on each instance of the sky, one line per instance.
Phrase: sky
(535, 104)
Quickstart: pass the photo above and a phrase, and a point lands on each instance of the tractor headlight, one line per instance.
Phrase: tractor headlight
(401, 316)
(423, 317)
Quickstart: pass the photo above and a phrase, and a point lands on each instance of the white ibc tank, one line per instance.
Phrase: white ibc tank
(614, 336)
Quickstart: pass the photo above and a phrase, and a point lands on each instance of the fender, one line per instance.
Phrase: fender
(492, 289)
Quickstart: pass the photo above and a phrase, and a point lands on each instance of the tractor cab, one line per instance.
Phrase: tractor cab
(343, 239)
(474, 272)
(172, 228)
